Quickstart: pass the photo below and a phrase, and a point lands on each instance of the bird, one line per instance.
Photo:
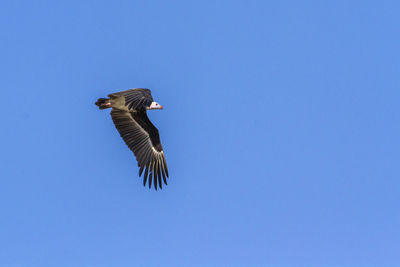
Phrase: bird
(129, 114)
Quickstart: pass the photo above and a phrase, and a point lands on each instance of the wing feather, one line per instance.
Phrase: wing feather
(145, 174)
(163, 171)
(159, 171)
(155, 173)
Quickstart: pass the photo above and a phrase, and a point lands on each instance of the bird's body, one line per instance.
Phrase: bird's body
(140, 135)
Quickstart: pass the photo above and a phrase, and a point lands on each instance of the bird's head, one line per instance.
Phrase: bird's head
(155, 105)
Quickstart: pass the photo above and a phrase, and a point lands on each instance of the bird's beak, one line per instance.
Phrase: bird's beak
(161, 107)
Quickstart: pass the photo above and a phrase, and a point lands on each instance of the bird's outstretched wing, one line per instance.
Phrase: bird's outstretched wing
(136, 99)
(142, 137)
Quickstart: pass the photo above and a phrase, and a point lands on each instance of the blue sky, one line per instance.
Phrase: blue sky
(280, 129)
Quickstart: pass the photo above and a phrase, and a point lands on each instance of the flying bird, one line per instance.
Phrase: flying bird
(128, 112)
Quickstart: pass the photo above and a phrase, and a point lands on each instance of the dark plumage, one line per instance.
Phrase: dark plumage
(140, 135)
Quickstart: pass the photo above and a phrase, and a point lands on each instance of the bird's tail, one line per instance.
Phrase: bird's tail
(103, 103)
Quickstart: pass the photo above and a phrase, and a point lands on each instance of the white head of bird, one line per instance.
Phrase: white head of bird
(155, 105)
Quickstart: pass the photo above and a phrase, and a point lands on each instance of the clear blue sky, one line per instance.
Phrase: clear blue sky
(281, 131)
